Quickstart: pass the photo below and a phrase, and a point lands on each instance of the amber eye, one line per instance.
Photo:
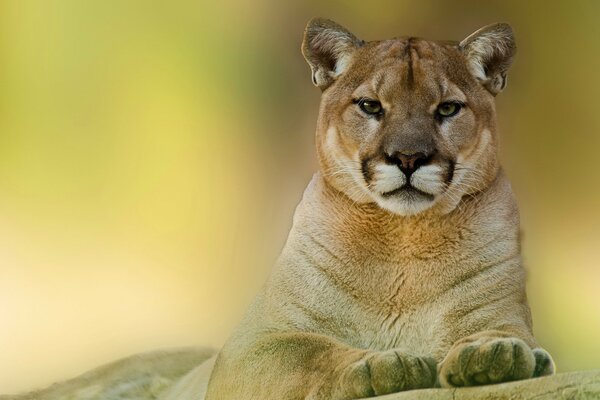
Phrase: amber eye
(448, 109)
(371, 107)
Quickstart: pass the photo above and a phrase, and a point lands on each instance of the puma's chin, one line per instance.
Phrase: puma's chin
(405, 201)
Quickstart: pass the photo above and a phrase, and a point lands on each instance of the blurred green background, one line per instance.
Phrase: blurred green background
(152, 154)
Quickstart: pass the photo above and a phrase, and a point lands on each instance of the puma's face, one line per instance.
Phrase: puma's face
(407, 123)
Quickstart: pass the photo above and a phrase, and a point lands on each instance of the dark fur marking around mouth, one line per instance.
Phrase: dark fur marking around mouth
(450, 176)
(364, 167)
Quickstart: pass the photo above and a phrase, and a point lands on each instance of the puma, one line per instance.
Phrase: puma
(402, 268)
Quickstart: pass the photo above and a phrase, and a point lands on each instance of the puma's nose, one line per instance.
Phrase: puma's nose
(408, 163)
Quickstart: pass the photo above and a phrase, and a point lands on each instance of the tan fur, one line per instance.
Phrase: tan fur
(372, 291)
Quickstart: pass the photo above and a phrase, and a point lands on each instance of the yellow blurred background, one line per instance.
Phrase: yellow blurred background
(152, 154)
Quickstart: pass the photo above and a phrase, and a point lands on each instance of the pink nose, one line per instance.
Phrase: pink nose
(408, 163)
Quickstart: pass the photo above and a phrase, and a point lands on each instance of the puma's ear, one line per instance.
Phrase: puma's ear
(489, 52)
(327, 47)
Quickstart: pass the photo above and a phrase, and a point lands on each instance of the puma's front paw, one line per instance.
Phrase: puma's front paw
(385, 372)
(487, 360)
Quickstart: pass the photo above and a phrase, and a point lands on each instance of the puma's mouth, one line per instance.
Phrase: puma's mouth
(408, 193)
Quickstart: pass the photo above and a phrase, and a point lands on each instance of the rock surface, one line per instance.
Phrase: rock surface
(566, 386)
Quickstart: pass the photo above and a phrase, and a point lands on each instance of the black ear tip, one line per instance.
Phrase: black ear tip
(501, 28)
(320, 23)
(506, 28)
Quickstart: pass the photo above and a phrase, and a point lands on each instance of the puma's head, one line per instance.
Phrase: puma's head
(408, 123)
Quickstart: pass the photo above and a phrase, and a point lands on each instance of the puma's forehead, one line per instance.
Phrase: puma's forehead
(417, 66)
(405, 48)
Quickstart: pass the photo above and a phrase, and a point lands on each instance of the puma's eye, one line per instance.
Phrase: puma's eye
(448, 109)
(371, 107)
